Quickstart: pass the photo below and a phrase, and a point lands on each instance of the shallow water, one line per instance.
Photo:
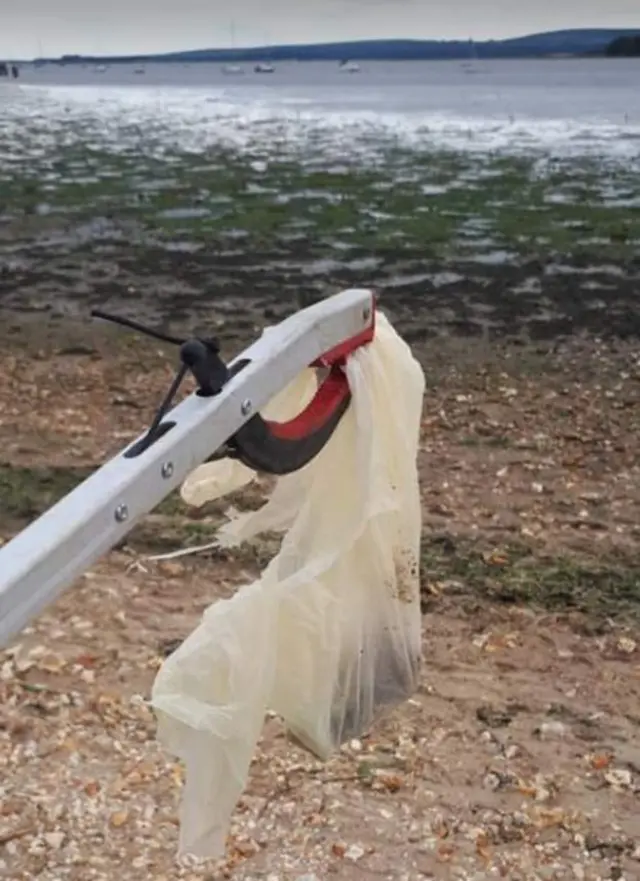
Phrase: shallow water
(557, 107)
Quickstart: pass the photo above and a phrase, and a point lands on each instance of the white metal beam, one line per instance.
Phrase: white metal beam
(44, 559)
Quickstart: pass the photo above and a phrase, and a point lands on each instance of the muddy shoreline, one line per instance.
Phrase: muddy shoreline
(539, 300)
(456, 245)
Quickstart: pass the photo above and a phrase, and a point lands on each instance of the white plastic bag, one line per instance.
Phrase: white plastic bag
(330, 633)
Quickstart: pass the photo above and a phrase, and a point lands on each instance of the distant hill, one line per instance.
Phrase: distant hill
(624, 47)
(555, 43)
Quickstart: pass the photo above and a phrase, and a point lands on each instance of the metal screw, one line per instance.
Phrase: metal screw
(167, 470)
(246, 407)
(121, 513)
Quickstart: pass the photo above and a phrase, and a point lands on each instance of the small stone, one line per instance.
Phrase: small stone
(492, 781)
(618, 778)
(553, 729)
(54, 839)
(627, 645)
(354, 852)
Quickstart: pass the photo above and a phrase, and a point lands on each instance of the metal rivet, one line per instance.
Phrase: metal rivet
(121, 513)
(246, 407)
(167, 470)
(366, 313)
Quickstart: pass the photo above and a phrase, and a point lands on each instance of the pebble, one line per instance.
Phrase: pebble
(553, 729)
(491, 781)
(54, 839)
(627, 645)
(619, 778)
(354, 852)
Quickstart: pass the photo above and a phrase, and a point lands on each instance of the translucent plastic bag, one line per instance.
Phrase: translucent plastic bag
(330, 633)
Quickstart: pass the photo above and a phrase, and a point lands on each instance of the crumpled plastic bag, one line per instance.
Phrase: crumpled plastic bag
(330, 634)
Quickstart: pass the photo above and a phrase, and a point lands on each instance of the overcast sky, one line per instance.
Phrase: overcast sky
(53, 27)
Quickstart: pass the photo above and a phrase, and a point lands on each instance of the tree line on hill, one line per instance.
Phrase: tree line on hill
(624, 47)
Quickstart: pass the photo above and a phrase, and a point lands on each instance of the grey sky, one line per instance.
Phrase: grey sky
(52, 27)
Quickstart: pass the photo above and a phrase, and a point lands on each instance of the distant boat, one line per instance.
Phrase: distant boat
(349, 67)
(139, 70)
(100, 68)
(470, 67)
(263, 67)
(232, 69)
